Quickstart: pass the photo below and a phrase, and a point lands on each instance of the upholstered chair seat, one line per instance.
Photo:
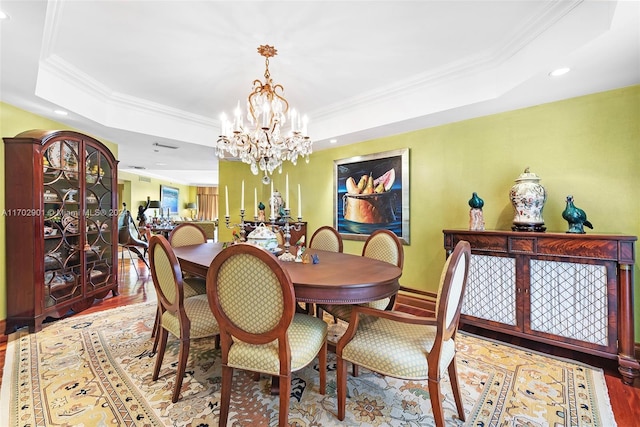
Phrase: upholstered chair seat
(305, 336)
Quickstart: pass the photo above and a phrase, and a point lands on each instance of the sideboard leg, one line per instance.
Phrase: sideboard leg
(628, 366)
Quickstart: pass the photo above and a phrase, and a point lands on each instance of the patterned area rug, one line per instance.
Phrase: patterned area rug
(95, 370)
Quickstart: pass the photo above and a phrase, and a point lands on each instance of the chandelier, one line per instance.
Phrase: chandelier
(266, 142)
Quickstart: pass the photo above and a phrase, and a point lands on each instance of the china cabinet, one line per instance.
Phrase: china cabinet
(569, 290)
(61, 231)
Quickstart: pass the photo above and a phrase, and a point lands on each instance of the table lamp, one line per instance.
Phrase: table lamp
(191, 206)
(155, 204)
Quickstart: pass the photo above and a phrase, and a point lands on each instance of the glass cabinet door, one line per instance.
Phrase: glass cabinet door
(98, 217)
(63, 241)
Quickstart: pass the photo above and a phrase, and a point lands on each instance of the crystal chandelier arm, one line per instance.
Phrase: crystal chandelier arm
(264, 144)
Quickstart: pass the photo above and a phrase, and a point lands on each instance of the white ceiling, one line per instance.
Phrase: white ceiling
(141, 72)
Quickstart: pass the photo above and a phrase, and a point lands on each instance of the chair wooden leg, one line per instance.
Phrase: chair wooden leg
(183, 356)
(436, 403)
(341, 379)
(156, 329)
(160, 355)
(455, 386)
(322, 367)
(225, 395)
(285, 396)
(355, 370)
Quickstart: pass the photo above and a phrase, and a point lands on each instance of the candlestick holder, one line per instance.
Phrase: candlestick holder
(286, 228)
(240, 225)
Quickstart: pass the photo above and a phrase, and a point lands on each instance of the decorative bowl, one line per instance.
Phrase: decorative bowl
(262, 236)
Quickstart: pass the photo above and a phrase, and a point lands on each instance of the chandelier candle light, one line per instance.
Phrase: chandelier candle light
(265, 144)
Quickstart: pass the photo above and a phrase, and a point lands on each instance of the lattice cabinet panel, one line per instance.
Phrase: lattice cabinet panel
(569, 300)
(496, 302)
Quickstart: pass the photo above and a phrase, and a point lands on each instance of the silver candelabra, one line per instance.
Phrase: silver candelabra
(241, 225)
(286, 228)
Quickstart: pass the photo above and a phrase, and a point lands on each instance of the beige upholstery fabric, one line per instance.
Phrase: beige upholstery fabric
(187, 234)
(244, 283)
(194, 286)
(164, 272)
(401, 349)
(209, 227)
(325, 240)
(306, 335)
(203, 324)
(383, 248)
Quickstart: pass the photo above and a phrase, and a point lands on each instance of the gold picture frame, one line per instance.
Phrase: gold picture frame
(358, 214)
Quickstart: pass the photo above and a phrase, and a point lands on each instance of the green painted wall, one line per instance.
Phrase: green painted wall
(588, 147)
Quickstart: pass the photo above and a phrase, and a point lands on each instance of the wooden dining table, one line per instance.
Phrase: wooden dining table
(337, 278)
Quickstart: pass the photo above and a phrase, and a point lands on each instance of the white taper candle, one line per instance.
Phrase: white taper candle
(286, 191)
(226, 201)
(242, 197)
(272, 213)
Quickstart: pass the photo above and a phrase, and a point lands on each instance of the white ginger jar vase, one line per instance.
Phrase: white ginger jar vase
(528, 197)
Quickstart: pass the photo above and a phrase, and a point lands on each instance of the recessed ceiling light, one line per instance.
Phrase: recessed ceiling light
(559, 71)
(161, 164)
(3, 15)
(333, 141)
(60, 112)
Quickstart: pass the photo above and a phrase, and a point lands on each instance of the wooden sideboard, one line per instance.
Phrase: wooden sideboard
(570, 290)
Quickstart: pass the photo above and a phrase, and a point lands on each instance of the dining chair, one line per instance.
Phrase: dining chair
(252, 297)
(183, 235)
(326, 238)
(382, 245)
(187, 234)
(185, 318)
(406, 346)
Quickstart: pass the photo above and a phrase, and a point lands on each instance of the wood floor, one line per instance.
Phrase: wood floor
(625, 400)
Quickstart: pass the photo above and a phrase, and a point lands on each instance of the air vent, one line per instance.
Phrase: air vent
(157, 144)
(136, 167)
(144, 179)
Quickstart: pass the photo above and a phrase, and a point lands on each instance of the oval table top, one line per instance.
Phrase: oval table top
(338, 278)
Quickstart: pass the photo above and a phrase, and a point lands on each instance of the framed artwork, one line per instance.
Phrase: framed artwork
(169, 199)
(372, 192)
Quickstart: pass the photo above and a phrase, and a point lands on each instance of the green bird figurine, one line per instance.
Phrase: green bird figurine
(576, 217)
(476, 202)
